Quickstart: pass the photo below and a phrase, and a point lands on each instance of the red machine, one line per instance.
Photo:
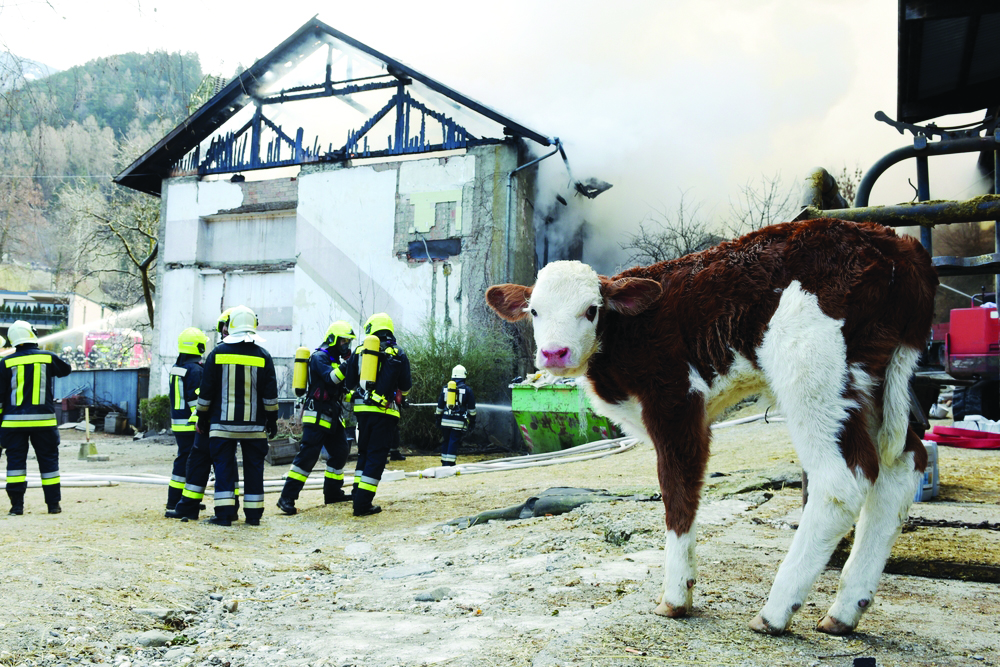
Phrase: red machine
(119, 348)
(972, 343)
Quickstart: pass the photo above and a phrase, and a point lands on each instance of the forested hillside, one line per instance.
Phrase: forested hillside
(115, 91)
(62, 140)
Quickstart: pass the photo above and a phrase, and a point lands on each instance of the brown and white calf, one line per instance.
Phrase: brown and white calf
(828, 317)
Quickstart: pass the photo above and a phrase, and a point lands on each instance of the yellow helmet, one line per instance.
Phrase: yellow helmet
(223, 320)
(379, 322)
(242, 320)
(192, 341)
(20, 333)
(339, 329)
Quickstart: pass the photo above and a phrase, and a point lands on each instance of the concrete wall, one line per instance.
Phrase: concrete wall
(331, 244)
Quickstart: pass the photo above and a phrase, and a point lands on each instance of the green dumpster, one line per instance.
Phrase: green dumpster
(557, 416)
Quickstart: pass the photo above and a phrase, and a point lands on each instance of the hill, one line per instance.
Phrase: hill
(118, 92)
(15, 71)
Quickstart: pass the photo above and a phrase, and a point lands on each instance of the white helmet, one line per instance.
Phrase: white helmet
(458, 372)
(242, 320)
(20, 333)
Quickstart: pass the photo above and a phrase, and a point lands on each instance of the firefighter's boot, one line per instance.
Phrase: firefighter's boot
(16, 503)
(286, 505)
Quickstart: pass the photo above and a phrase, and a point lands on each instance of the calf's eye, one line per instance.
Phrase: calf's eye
(591, 313)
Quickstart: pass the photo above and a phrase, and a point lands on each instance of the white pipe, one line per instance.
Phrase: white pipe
(745, 420)
(584, 452)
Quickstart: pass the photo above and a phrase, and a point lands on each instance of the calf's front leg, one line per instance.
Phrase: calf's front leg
(682, 454)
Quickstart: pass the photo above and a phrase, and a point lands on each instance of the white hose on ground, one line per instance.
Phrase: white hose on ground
(746, 420)
(584, 452)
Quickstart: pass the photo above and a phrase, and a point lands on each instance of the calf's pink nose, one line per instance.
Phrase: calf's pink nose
(557, 357)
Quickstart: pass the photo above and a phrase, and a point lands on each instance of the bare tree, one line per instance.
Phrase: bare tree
(761, 204)
(664, 236)
(122, 239)
(848, 182)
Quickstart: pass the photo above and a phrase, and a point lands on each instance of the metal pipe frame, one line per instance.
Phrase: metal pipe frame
(510, 180)
(950, 147)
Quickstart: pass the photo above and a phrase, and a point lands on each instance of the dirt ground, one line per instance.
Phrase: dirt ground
(110, 581)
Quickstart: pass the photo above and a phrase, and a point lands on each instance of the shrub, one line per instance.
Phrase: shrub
(155, 412)
(488, 355)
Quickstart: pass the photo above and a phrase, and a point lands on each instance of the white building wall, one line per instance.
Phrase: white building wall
(333, 258)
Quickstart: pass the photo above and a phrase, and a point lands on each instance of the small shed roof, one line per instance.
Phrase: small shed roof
(949, 58)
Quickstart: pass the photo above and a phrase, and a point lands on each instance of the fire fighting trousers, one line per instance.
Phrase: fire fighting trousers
(45, 441)
(178, 476)
(377, 434)
(451, 439)
(223, 451)
(314, 439)
(199, 466)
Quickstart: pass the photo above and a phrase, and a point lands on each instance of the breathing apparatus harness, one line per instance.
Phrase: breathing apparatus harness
(455, 413)
(376, 354)
(322, 405)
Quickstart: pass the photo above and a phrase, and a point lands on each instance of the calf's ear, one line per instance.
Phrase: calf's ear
(630, 296)
(509, 301)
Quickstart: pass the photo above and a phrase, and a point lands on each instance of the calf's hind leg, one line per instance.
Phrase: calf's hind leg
(882, 516)
(804, 358)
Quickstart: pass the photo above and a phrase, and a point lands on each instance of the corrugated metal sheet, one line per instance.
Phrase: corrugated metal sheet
(123, 387)
(949, 58)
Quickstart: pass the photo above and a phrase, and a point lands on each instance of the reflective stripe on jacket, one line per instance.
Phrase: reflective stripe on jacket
(185, 380)
(26, 379)
(239, 391)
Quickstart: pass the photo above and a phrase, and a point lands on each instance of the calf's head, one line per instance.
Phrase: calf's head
(566, 304)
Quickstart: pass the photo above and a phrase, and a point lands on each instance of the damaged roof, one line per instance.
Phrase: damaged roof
(422, 114)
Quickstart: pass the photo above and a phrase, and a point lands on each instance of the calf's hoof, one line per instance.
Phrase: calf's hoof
(670, 611)
(832, 626)
(761, 625)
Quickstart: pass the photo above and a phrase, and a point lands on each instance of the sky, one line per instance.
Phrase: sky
(660, 98)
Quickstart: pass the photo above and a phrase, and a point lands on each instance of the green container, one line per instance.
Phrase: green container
(557, 416)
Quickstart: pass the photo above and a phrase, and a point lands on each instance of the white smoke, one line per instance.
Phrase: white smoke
(657, 98)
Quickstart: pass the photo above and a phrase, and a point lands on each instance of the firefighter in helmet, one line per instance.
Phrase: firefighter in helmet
(185, 379)
(199, 461)
(238, 405)
(456, 414)
(29, 416)
(322, 420)
(379, 374)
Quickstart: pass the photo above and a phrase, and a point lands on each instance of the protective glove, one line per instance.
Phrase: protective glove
(271, 428)
(203, 425)
(471, 425)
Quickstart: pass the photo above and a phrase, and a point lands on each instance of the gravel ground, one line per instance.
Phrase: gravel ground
(110, 581)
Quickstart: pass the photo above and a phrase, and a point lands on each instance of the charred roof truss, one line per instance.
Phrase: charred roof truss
(384, 108)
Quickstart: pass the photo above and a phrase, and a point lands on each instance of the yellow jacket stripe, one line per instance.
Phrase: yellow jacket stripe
(240, 360)
(28, 359)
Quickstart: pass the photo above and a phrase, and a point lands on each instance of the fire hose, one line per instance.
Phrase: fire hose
(585, 452)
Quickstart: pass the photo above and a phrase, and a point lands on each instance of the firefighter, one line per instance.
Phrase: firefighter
(456, 414)
(29, 415)
(238, 405)
(322, 420)
(376, 405)
(199, 463)
(185, 379)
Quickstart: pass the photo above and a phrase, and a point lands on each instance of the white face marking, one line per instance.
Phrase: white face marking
(564, 308)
